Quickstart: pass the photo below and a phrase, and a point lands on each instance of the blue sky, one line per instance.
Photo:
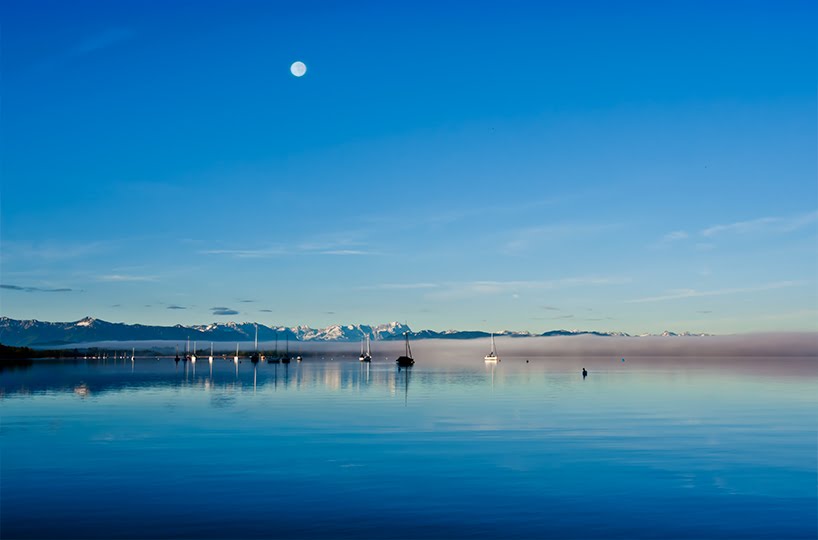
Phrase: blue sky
(486, 165)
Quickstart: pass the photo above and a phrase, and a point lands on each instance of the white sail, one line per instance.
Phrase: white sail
(492, 355)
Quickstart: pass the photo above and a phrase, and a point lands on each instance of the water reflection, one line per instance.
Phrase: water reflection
(682, 449)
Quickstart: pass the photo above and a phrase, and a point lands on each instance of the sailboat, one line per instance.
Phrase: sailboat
(366, 355)
(236, 358)
(286, 358)
(210, 358)
(406, 360)
(274, 359)
(254, 357)
(193, 356)
(133, 354)
(492, 356)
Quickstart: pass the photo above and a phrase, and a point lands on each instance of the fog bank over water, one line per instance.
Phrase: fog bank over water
(802, 344)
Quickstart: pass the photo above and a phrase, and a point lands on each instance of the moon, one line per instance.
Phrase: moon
(298, 69)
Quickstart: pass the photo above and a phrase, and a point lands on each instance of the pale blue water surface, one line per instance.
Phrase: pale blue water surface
(453, 447)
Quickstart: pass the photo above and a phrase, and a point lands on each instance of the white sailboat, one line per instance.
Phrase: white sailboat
(133, 354)
(236, 358)
(210, 358)
(366, 355)
(193, 356)
(492, 355)
(255, 357)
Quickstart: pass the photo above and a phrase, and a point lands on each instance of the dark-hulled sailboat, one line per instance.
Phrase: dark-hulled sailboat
(406, 360)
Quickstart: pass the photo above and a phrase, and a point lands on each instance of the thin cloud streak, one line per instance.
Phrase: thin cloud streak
(35, 289)
(675, 235)
(260, 253)
(477, 288)
(345, 252)
(400, 286)
(524, 239)
(223, 311)
(124, 278)
(52, 252)
(773, 224)
(279, 251)
(692, 293)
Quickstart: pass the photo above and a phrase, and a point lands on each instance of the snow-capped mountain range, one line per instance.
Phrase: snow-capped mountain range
(40, 333)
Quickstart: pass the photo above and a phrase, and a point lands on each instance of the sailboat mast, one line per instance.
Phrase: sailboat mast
(256, 344)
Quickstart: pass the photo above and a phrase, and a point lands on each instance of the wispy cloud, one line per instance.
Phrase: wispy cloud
(246, 301)
(693, 293)
(125, 278)
(550, 308)
(523, 239)
(758, 225)
(174, 306)
(674, 236)
(281, 251)
(35, 289)
(764, 224)
(258, 253)
(477, 288)
(48, 251)
(223, 311)
(400, 286)
(266, 310)
(344, 252)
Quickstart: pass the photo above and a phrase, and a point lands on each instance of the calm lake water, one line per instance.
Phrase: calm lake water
(453, 447)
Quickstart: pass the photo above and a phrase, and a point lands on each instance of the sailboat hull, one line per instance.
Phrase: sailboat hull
(405, 361)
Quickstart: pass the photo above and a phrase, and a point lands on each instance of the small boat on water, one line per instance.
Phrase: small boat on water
(255, 357)
(210, 358)
(492, 355)
(406, 360)
(366, 354)
(236, 358)
(286, 358)
(193, 356)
